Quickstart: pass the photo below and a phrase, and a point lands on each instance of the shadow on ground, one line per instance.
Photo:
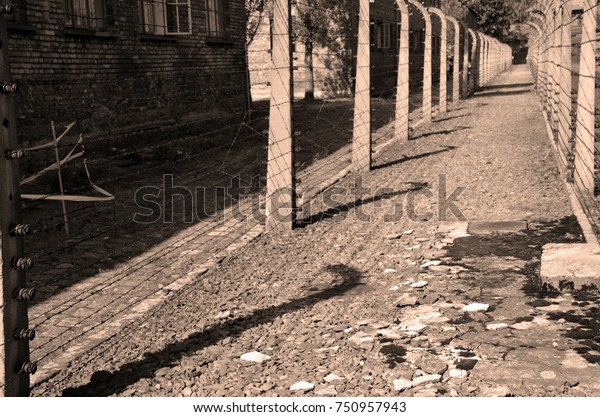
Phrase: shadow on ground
(504, 93)
(411, 158)
(583, 321)
(116, 382)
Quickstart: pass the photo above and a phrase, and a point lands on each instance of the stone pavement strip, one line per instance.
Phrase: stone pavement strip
(391, 291)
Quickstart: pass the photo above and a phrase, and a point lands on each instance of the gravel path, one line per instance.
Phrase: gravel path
(371, 295)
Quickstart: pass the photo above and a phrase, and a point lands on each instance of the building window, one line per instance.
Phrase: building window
(84, 14)
(216, 18)
(167, 17)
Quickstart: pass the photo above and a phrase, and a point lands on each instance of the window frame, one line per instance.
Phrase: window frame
(221, 31)
(95, 12)
(157, 11)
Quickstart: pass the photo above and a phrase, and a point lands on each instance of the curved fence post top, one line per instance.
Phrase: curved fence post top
(454, 21)
(422, 9)
(438, 12)
(402, 6)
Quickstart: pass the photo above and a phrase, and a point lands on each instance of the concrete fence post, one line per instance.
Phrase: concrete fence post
(456, 58)
(534, 54)
(555, 60)
(474, 61)
(281, 176)
(466, 55)
(361, 139)
(443, 58)
(427, 76)
(586, 103)
(565, 131)
(482, 60)
(402, 85)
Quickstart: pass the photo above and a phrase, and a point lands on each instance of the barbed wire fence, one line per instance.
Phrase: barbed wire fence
(142, 206)
(565, 63)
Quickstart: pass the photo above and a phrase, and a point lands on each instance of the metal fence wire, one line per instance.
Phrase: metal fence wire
(109, 218)
(565, 61)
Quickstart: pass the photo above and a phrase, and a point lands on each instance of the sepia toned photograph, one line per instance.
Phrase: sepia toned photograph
(300, 199)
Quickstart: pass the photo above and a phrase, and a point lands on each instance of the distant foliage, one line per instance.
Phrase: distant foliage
(255, 10)
(493, 16)
(496, 17)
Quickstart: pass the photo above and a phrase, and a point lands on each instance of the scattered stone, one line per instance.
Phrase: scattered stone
(431, 364)
(255, 356)
(476, 307)
(524, 325)
(361, 338)
(389, 334)
(439, 268)
(402, 384)
(348, 330)
(267, 386)
(187, 392)
(390, 271)
(223, 315)
(302, 386)
(394, 236)
(420, 284)
(500, 391)
(408, 232)
(548, 375)
(458, 373)
(340, 327)
(416, 328)
(414, 248)
(328, 391)
(426, 392)
(496, 326)
(426, 379)
(394, 288)
(431, 263)
(406, 300)
(333, 377)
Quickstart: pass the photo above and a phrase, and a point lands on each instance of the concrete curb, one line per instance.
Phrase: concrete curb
(570, 266)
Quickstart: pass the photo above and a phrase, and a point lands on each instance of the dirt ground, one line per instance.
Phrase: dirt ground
(374, 295)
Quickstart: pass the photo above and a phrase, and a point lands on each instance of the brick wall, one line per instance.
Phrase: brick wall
(120, 77)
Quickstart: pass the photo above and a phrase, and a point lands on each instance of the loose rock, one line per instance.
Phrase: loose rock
(302, 386)
(255, 356)
(476, 307)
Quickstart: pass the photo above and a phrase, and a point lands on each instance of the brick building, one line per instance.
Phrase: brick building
(126, 63)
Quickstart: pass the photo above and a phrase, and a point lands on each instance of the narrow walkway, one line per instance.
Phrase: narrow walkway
(382, 293)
